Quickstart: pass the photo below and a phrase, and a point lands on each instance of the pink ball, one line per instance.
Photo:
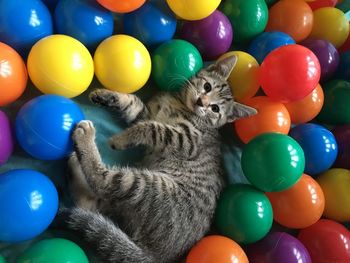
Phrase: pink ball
(6, 141)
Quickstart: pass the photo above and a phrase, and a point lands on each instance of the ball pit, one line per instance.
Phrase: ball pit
(61, 65)
(267, 174)
(2, 259)
(6, 140)
(28, 204)
(335, 184)
(118, 59)
(13, 75)
(24, 22)
(216, 248)
(278, 247)
(342, 136)
(343, 70)
(121, 6)
(150, 24)
(85, 20)
(316, 4)
(54, 250)
(44, 125)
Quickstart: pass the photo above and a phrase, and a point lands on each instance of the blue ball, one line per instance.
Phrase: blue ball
(51, 4)
(23, 23)
(28, 204)
(150, 24)
(44, 125)
(84, 20)
(263, 44)
(319, 145)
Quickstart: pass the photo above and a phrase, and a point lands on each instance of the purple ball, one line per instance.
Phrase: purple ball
(6, 141)
(342, 136)
(327, 55)
(278, 247)
(211, 35)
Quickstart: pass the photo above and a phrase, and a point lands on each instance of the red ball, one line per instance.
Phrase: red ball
(289, 73)
(327, 241)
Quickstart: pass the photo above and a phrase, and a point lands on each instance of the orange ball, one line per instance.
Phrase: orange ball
(216, 249)
(121, 6)
(13, 75)
(293, 17)
(272, 116)
(299, 206)
(306, 109)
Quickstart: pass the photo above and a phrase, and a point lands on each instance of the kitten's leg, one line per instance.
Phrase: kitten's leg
(80, 190)
(111, 243)
(181, 140)
(129, 106)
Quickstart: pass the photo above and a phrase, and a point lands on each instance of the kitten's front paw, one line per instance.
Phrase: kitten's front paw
(104, 97)
(84, 131)
(119, 142)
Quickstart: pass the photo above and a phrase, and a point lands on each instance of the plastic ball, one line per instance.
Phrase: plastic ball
(305, 199)
(121, 6)
(342, 136)
(267, 174)
(6, 140)
(335, 184)
(211, 35)
(44, 126)
(2, 259)
(248, 18)
(13, 75)
(149, 24)
(306, 109)
(316, 4)
(85, 20)
(61, 65)
(243, 79)
(327, 241)
(173, 62)
(278, 247)
(336, 102)
(272, 116)
(217, 249)
(293, 17)
(330, 24)
(51, 4)
(293, 80)
(50, 250)
(118, 60)
(28, 204)
(343, 70)
(326, 54)
(319, 145)
(264, 43)
(24, 22)
(243, 213)
(193, 10)
(346, 45)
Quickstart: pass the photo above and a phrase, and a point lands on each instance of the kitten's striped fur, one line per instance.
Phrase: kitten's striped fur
(156, 212)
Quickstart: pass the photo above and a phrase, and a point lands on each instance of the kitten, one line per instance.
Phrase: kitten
(157, 212)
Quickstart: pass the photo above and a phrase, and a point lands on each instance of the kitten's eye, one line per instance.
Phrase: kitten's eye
(215, 108)
(207, 87)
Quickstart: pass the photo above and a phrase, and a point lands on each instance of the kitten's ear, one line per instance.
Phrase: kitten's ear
(224, 67)
(239, 111)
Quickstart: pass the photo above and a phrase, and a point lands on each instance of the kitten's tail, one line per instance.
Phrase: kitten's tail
(111, 243)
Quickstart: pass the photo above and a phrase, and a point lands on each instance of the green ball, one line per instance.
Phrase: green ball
(273, 162)
(173, 63)
(243, 213)
(335, 108)
(55, 250)
(2, 259)
(248, 18)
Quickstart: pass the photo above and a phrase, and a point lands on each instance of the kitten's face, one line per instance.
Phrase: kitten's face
(209, 96)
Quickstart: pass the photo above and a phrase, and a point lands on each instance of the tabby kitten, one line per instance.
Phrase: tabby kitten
(158, 211)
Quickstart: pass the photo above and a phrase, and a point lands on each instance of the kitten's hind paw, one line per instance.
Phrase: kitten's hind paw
(104, 97)
(84, 130)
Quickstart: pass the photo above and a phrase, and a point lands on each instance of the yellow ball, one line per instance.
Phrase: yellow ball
(244, 76)
(193, 9)
(122, 63)
(330, 24)
(60, 64)
(335, 184)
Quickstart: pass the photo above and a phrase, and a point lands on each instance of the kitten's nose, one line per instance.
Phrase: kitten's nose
(199, 102)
